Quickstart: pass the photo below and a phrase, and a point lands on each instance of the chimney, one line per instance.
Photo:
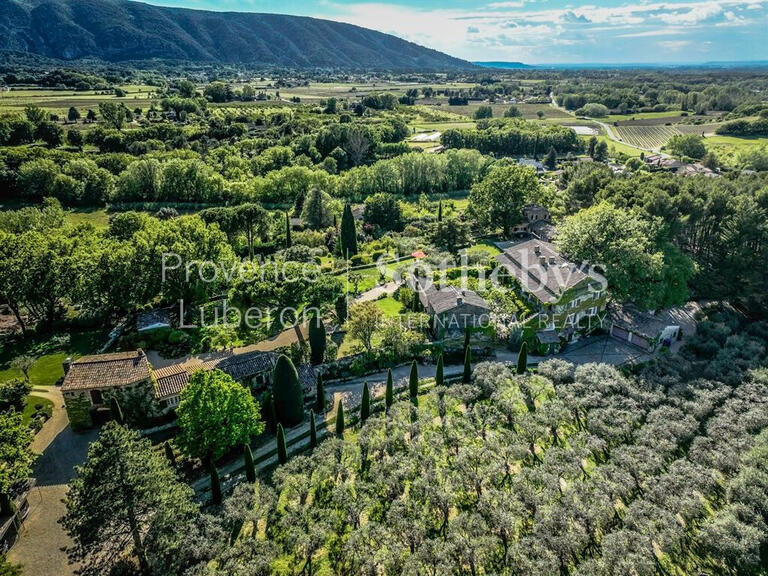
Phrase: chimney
(67, 364)
(140, 352)
(552, 260)
(543, 261)
(537, 249)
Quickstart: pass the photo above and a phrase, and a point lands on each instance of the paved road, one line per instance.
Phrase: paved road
(39, 548)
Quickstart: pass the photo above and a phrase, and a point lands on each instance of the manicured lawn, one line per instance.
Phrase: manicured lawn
(389, 306)
(49, 353)
(486, 247)
(29, 407)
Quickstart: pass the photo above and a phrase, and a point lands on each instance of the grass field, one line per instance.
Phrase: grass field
(49, 353)
(59, 101)
(389, 306)
(669, 116)
(727, 148)
(96, 216)
(529, 111)
(30, 407)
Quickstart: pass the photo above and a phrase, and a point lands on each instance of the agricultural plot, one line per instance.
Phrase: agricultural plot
(648, 137)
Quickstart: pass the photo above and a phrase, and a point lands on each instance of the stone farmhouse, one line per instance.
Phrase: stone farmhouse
(537, 222)
(90, 382)
(569, 301)
(452, 310)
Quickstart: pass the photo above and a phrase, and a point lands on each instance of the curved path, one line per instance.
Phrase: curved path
(40, 543)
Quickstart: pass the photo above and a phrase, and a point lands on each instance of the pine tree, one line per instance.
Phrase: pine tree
(522, 359)
(413, 384)
(340, 420)
(282, 452)
(216, 495)
(287, 394)
(288, 241)
(467, 376)
(312, 430)
(320, 395)
(116, 411)
(365, 405)
(317, 340)
(250, 469)
(348, 233)
(389, 394)
(169, 454)
(439, 378)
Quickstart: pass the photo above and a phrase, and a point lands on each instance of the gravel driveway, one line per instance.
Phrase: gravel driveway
(40, 543)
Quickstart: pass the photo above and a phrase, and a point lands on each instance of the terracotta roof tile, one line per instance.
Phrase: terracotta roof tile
(106, 371)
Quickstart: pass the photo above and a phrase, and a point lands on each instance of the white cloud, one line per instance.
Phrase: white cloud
(520, 30)
(673, 45)
(651, 33)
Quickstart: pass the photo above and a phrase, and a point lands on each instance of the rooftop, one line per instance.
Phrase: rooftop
(540, 268)
(445, 299)
(171, 380)
(650, 324)
(106, 371)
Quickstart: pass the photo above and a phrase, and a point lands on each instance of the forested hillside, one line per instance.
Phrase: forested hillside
(118, 30)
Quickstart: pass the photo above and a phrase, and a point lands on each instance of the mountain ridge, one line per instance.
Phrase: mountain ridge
(123, 30)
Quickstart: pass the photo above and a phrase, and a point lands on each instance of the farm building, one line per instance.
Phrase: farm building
(252, 368)
(452, 309)
(91, 381)
(567, 297)
(537, 222)
(651, 331)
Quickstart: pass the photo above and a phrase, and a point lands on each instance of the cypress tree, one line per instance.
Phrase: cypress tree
(365, 406)
(250, 469)
(440, 211)
(413, 384)
(466, 338)
(317, 340)
(551, 160)
(439, 378)
(320, 395)
(287, 393)
(269, 413)
(312, 430)
(467, 376)
(169, 454)
(216, 495)
(288, 240)
(389, 394)
(340, 420)
(348, 233)
(522, 359)
(116, 411)
(282, 452)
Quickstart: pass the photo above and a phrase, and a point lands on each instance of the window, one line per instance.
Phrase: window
(96, 397)
(593, 311)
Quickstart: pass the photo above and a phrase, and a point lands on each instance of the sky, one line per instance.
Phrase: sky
(548, 31)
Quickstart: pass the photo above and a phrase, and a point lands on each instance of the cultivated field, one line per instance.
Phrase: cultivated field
(654, 137)
(648, 137)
